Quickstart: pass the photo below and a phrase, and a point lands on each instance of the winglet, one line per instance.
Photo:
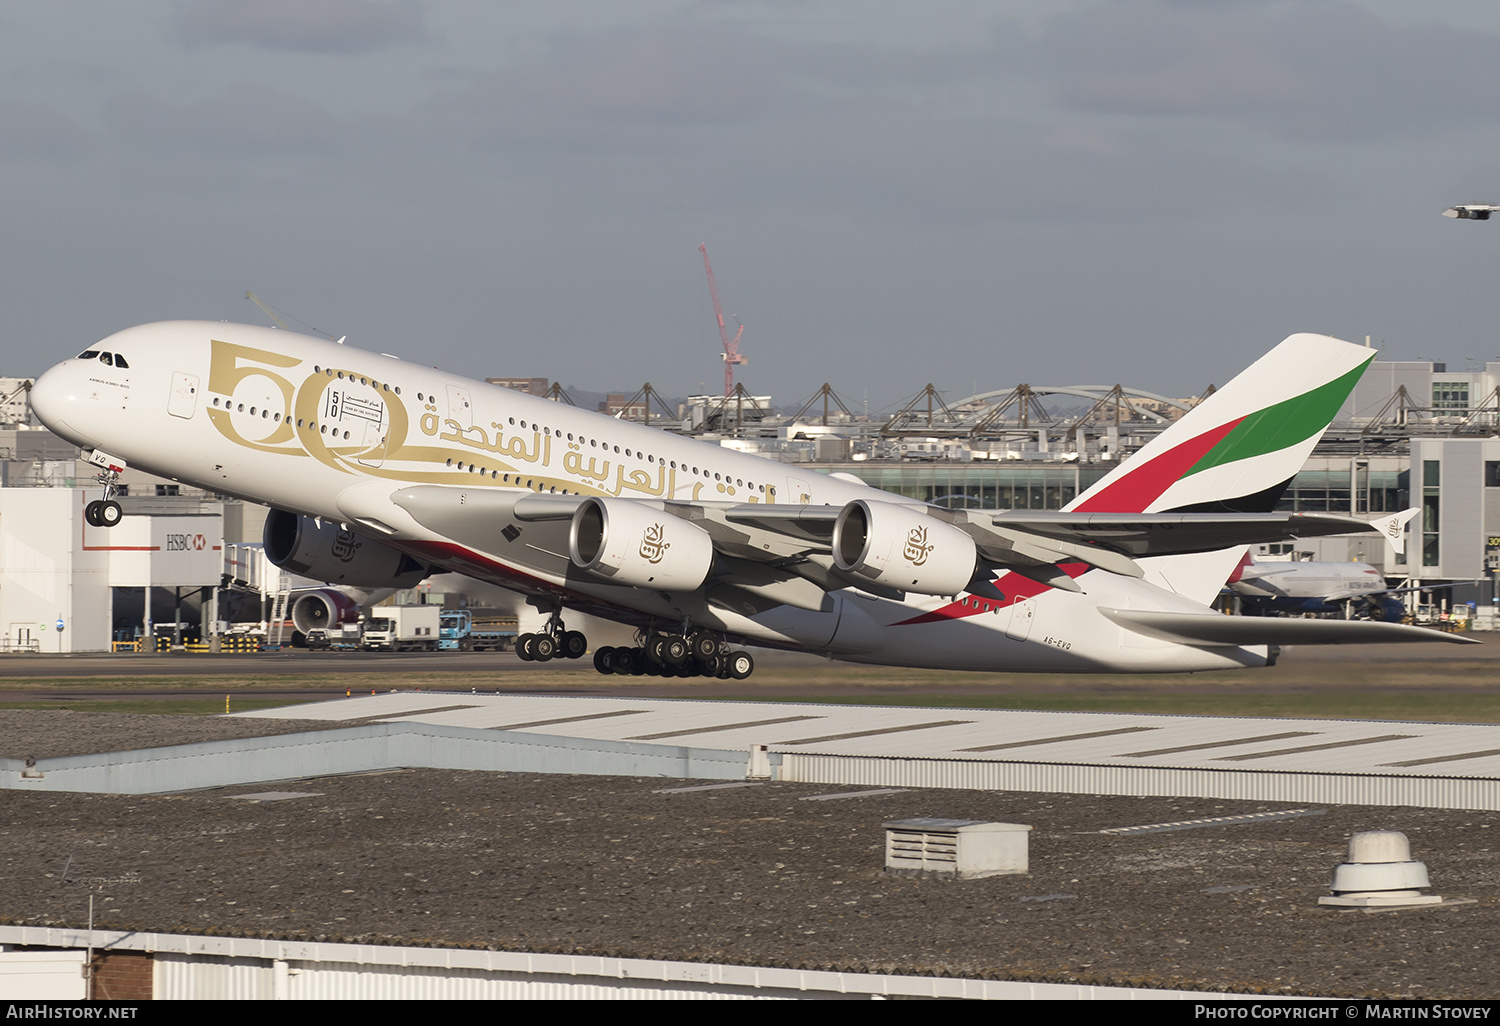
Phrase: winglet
(1394, 528)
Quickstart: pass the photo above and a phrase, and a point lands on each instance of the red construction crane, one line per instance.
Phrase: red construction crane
(731, 347)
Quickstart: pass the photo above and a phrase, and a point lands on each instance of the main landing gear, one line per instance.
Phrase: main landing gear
(694, 653)
(553, 641)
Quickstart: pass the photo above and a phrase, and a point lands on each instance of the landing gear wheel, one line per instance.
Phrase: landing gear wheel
(523, 647)
(91, 513)
(544, 648)
(627, 661)
(604, 660)
(741, 665)
(110, 513)
(572, 645)
(704, 646)
(674, 650)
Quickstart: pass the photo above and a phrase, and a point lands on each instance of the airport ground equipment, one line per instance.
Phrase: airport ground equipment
(458, 630)
(402, 629)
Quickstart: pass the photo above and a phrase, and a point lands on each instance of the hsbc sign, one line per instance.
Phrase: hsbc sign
(164, 550)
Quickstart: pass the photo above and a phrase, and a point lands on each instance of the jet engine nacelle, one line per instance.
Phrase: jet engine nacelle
(631, 543)
(324, 551)
(323, 609)
(903, 548)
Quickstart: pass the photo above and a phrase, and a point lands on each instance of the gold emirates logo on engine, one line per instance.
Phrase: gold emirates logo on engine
(653, 543)
(917, 550)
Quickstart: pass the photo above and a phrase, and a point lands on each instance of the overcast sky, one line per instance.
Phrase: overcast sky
(969, 193)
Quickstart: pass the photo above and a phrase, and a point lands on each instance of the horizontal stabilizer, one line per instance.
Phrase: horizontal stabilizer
(1394, 528)
(1216, 629)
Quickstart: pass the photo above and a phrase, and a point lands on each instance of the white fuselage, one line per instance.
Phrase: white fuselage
(1328, 581)
(330, 431)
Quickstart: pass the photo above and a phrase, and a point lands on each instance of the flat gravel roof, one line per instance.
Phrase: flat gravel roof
(753, 875)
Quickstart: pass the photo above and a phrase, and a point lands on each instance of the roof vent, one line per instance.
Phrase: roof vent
(1379, 872)
(964, 849)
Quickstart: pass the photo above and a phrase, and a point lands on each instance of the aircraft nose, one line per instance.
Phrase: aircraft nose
(53, 396)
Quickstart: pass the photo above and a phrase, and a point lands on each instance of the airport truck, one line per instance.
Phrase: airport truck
(402, 629)
(459, 631)
(344, 638)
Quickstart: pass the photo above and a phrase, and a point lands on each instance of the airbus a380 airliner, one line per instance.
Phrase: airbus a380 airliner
(381, 471)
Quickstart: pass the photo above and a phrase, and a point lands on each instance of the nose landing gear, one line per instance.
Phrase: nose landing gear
(105, 512)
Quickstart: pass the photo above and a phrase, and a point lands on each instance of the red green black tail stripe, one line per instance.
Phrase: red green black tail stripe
(1272, 429)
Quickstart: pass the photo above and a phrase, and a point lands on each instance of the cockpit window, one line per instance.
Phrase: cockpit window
(108, 359)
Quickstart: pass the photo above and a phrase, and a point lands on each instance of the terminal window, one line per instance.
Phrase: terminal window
(1450, 395)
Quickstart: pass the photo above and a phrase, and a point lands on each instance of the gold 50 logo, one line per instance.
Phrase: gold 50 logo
(276, 405)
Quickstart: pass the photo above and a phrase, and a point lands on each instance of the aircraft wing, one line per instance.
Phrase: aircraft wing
(787, 553)
(1214, 629)
(1133, 534)
(1033, 543)
(1167, 534)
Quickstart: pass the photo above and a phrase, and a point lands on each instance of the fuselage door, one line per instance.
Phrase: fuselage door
(1022, 612)
(373, 453)
(182, 401)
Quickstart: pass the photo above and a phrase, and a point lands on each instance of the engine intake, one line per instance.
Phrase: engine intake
(631, 543)
(323, 609)
(324, 551)
(903, 548)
